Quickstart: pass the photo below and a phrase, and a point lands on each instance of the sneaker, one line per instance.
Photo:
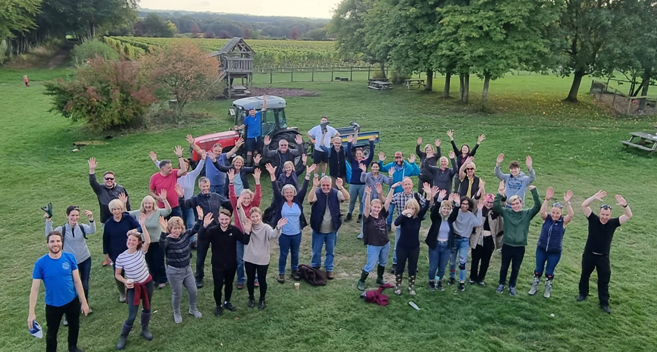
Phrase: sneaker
(161, 286)
(398, 290)
(105, 263)
(251, 302)
(471, 281)
(360, 217)
(360, 236)
(580, 298)
(121, 298)
(451, 281)
(534, 289)
(348, 218)
(281, 278)
(240, 286)
(432, 285)
(329, 275)
(548, 289)
(199, 283)
(195, 313)
(229, 306)
(512, 291)
(440, 286)
(218, 311)
(64, 321)
(481, 283)
(461, 286)
(499, 289)
(606, 309)
(256, 283)
(295, 275)
(262, 305)
(177, 318)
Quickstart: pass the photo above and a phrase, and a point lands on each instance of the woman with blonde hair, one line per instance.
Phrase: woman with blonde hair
(427, 158)
(408, 246)
(440, 240)
(242, 182)
(174, 241)
(155, 255)
(116, 228)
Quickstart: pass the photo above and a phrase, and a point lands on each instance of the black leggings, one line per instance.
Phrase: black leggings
(261, 271)
(54, 318)
(509, 254)
(223, 277)
(404, 253)
(481, 254)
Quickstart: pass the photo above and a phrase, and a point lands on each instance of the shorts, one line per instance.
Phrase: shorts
(320, 156)
(252, 144)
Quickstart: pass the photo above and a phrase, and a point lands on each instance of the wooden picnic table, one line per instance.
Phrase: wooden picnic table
(642, 140)
(379, 85)
(409, 82)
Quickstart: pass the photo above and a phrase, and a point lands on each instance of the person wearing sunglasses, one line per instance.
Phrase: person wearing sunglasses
(470, 185)
(598, 244)
(549, 246)
(106, 192)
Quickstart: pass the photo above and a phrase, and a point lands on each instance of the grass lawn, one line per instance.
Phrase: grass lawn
(573, 146)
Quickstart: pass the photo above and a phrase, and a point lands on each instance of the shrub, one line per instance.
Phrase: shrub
(104, 94)
(91, 49)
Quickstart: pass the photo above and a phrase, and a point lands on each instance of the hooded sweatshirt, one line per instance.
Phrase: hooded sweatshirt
(405, 170)
(516, 224)
(516, 186)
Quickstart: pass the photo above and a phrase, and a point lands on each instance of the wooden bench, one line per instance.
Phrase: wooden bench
(642, 140)
(413, 82)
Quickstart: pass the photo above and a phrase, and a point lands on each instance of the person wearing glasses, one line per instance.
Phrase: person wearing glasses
(470, 185)
(549, 246)
(598, 244)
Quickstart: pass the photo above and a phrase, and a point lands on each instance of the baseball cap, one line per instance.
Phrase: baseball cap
(398, 154)
(36, 330)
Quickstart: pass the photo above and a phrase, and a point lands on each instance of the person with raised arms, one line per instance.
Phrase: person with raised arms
(242, 182)
(280, 156)
(549, 246)
(321, 137)
(482, 242)
(167, 179)
(253, 125)
(444, 174)
(598, 245)
(375, 234)
(427, 158)
(403, 169)
(337, 160)
(464, 152)
(64, 292)
(463, 227)
(399, 200)
(356, 186)
(217, 177)
(440, 239)
(515, 181)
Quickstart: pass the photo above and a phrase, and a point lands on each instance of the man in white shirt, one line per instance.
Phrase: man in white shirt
(321, 136)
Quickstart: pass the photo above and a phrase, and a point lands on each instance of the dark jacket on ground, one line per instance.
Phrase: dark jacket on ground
(105, 196)
(279, 200)
(337, 163)
(114, 234)
(224, 249)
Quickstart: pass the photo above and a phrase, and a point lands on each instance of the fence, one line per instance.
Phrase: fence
(315, 74)
(622, 102)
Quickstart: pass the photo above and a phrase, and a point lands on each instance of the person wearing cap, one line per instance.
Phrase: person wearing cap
(403, 169)
(321, 137)
(549, 246)
(64, 292)
(598, 244)
(74, 235)
(253, 125)
(482, 241)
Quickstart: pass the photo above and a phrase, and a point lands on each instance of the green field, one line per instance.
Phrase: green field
(573, 146)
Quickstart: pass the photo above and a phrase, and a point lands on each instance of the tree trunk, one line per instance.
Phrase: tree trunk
(464, 89)
(574, 88)
(448, 81)
(484, 96)
(382, 65)
(92, 31)
(429, 86)
(644, 91)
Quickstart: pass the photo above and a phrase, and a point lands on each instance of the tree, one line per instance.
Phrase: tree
(17, 16)
(104, 94)
(294, 33)
(317, 34)
(156, 26)
(184, 70)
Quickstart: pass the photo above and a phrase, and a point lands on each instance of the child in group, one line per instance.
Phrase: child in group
(27, 81)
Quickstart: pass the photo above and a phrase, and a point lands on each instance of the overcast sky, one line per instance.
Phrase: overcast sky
(298, 8)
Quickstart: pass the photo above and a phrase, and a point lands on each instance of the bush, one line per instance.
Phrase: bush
(91, 49)
(104, 94)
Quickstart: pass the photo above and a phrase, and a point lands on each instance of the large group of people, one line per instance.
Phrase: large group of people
(151, 247)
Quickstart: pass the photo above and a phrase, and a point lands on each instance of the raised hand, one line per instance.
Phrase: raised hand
(339, 183)
(419, 140)
(256, 174)
(310, 169)
(163, 194)
(257, 159)
(178, 150)
(362, 166)
(180, 191)
(316, 181)
(372, 138)
(190, 139)
(350, 138)
(469, 159)
(207, 220)
(211, 156)
(411, 159)
(502, 188)
(567, 196)
(480, 204)
(92, 164)
(204, 155)
(528, 162)
(620, 200)
(500, 159)
(267, 140)
(271, 169)
(437, 142)
(434, 190)
(455, 197)
(199, 212)
(382, 156)
(379, 188)
(482, 184)
(442, 194)
(153, 156)
(239, 142)
(123, 198)
(391, 171)
(395, 185)
(481, 138)
(164, 224)
(231, 175)
(298, 140)
(247, 225)
(532, 187)
(549, 193)
(142, 219)
(368, 190)
(451, 154)
(426, 187)
(600, 195)
(282, 222)
(450, 133)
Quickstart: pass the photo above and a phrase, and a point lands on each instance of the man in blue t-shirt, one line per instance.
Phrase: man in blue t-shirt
(64, 292)
(253, 124)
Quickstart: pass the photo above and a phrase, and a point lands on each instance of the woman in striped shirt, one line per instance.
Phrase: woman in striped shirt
(177, 247)
(137, 281)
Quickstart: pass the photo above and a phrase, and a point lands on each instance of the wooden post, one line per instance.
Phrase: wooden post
(312, 77)
(292, 74)
(368, 72)
(331, 73)
(271, 74)
(351, 73)
(629, 103)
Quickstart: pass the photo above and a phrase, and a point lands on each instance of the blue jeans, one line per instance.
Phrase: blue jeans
(240, 263)
(288, 243)
(391, 211)
(438, 258)
(84, 269)
(356, 191)
(318, 241)
(189, 215)
(376, 254)
(461, 246)
(394, 252)
(552, 260)
(175, 211)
